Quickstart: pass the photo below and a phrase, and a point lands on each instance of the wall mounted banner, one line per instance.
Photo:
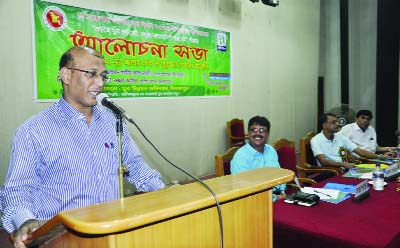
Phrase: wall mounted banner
(144, 57)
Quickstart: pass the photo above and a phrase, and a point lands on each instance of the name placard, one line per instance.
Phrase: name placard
(392, 171)
(362, 191)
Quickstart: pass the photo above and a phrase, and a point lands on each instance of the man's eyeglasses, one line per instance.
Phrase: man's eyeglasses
(260, 130)
(92, 74)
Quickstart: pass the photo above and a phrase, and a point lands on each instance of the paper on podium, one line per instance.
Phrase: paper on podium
(323, 194)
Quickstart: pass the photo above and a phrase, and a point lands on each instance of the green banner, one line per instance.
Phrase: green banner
(144, 57)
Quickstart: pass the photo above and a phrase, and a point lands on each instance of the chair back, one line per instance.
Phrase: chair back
(306, 153)
(236, 133)
(286, 151)
(308, 166)
(223, 162)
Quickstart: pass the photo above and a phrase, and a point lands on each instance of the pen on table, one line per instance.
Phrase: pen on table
(319, 192)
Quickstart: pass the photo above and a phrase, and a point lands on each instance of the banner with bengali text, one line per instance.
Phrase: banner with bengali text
(144, 57)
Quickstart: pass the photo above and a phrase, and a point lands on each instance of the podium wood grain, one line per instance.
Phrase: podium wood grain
(180, 216)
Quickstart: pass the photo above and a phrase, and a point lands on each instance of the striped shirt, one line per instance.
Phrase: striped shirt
(59, 162)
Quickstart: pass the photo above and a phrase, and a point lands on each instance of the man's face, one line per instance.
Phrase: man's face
(363, 121)
(331, 125)
(258, 136)
(81, 88)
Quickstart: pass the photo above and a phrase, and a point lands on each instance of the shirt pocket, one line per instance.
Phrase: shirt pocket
(109, 158)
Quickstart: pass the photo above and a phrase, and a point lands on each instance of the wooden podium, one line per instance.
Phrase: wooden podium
(180, 216)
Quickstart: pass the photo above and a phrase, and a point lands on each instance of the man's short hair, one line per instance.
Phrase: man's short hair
(259, 120)
(67, 59)
(364, 112)
(324, 118)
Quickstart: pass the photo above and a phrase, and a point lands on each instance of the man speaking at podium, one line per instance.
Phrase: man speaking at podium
(67, 155)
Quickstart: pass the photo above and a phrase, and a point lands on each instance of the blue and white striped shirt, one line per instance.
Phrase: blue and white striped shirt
(59, 162)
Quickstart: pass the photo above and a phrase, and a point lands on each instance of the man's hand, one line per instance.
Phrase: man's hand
(391, 149)
(390, 154)
(384, 156)
(282, 195)
(348, 165)
(25, 231)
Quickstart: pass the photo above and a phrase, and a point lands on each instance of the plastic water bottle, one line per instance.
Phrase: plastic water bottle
(378, 178)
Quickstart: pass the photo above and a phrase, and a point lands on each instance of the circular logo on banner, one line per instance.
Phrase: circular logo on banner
(54, 18)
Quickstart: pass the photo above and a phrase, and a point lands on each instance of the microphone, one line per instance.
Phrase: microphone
(104, 100)
(296, 180)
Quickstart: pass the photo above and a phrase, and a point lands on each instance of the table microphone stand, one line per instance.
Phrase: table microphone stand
(121, 169)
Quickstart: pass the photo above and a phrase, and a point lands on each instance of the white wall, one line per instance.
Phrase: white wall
(330, 55)
(362, 54)
(362, 25)
(274, 73)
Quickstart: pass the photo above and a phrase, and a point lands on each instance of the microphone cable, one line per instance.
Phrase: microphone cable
(221, 228)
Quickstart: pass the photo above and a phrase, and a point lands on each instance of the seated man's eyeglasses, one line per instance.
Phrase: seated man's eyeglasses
(333, 122)
(93, 74)
(260, 130)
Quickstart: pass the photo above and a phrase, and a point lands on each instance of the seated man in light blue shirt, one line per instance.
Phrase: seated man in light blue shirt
(258, 154)
(328, 142)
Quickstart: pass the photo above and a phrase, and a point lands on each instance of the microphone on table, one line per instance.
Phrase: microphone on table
(104, 100)
(296, 180)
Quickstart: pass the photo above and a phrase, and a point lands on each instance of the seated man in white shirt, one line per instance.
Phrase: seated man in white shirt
(363, 134)
(328, 142)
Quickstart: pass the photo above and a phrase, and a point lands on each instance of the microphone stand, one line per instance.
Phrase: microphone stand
(121, 169)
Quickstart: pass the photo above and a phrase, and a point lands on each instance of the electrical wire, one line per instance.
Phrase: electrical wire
(221, 228)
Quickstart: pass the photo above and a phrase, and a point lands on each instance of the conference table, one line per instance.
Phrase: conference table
(373, 222)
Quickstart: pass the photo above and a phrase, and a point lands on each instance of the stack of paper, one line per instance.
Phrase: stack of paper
(346, 188)
(341, 197)
(323, 194)
(345, 191)
(366, 175)
(332, 192)
(363, 171)
(371, 166)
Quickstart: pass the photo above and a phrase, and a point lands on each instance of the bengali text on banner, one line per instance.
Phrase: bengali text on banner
(144, 57)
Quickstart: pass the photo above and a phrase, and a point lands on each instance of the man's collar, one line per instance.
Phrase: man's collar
(357, 127)
(70, 112)
(323, 134)
(252, 150)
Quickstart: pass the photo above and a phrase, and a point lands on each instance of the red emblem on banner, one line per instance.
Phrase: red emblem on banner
(54, 18)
